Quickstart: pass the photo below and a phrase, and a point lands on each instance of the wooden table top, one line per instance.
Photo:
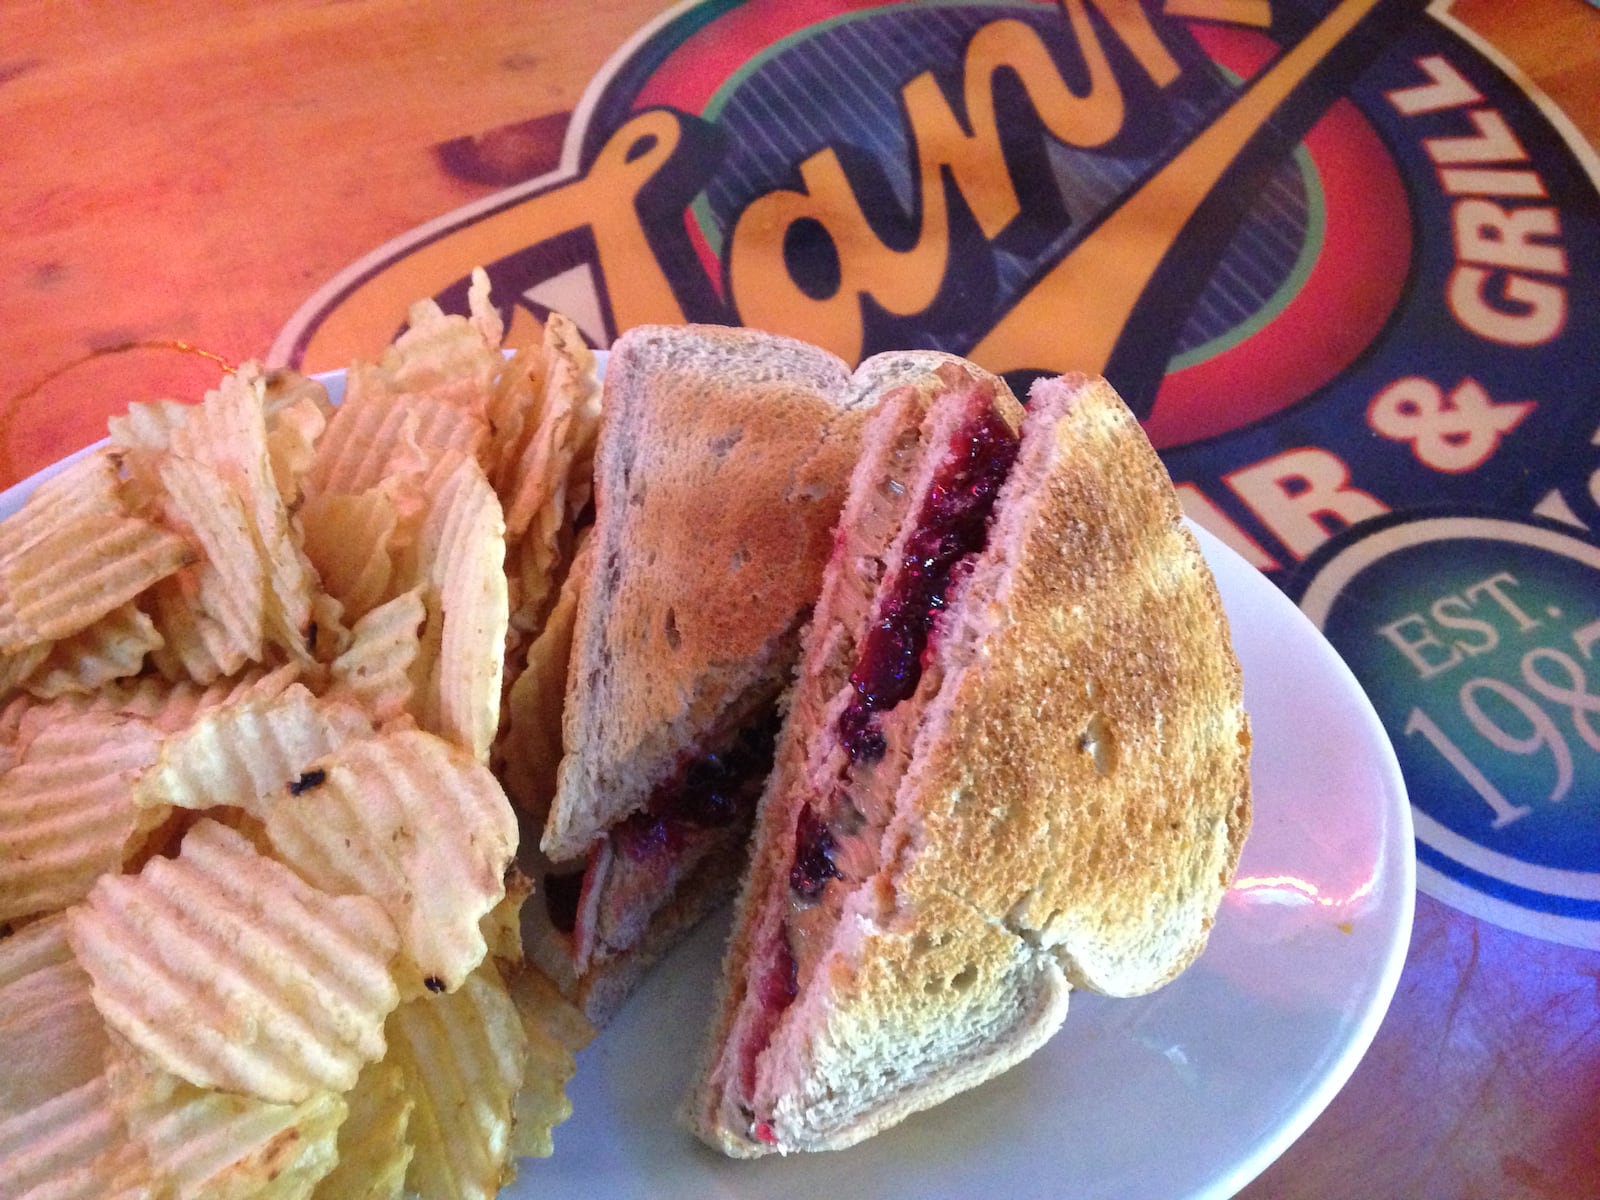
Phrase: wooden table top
(179, 178)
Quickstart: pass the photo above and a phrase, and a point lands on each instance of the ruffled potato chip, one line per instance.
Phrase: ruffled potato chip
(463, 1056)
(512, 404)
(453, 357)
(427, 397)
(226, 638)
(375, 672)
(147, 425)
(113, 647)
(297, 410)
(530, 744)
(195, 1144)
(67, 813)
(460, 560)
(78, 572)
(502, 925)
(88, 487)
(555, 1030)
(374, 437)
(374, 1153)
(168, 706)
(73, 1147)
(18, 667)
(213, 616)
(60, 1137)
(258, 684)
(537, 477)
(415, 824)
(245, 754)
(229, 971)
(228, 433)
(51, 1038)
(357, 540)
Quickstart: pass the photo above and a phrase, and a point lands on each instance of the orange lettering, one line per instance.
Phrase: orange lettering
(905, 282)
(1532, 313)
(1493, 236)
(1297, 493)
(601, 201)
(1446, 88)
(1073, 316)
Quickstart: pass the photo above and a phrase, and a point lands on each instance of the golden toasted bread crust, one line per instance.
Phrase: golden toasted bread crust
(1076, 801)
(1093, 706)
(721, 465)
(913, 1016)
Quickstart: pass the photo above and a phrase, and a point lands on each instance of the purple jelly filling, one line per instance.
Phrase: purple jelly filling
(711, 792)
(775, 989)
(813, 856)
(953, 524)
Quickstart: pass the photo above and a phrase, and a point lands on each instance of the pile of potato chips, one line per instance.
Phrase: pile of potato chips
(264, 664)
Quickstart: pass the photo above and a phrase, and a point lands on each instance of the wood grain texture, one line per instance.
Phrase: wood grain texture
(1482, 1084)
(194, 171)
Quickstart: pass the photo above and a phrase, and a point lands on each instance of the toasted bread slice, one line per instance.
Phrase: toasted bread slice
(719, 472)
(1055, 796)
(722, 461)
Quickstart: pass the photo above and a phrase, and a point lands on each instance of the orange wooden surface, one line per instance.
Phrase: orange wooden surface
(191, 172)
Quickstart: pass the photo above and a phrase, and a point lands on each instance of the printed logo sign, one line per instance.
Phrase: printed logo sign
(1339, 261)
(1478, 640)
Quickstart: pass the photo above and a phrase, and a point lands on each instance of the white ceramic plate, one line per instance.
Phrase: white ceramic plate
(1189, 1092)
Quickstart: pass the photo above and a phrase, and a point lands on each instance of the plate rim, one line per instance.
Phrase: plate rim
(1401, 846)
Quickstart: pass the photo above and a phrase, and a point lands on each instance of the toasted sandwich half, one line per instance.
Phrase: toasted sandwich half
(722, 461)
(1015, 762)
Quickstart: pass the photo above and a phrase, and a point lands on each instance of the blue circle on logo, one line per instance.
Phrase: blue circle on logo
(1477, 638)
